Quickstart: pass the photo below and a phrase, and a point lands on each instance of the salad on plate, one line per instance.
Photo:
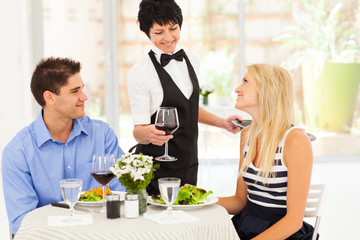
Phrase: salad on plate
(94, 195)
(188, 195)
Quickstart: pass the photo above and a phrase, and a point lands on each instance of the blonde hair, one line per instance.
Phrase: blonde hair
(275, 95)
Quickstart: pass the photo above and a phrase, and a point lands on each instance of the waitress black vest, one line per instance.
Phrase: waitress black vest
(184, 144)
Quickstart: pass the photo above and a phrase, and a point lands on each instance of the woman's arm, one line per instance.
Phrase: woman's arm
(147, 133)
(234, 204)
(208, 118)
(298, 158)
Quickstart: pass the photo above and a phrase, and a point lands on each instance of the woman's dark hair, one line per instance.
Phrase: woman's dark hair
(161, 12)
(50, 75)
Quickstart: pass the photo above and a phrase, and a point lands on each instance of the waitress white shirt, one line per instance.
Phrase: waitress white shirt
(144, 87)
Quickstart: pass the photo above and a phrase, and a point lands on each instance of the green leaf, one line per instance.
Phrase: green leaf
(90, 197)
(189, 195)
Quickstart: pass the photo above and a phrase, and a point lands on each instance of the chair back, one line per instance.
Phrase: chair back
(314, 199)
(313, 205)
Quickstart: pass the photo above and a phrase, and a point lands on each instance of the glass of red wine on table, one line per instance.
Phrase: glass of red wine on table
(101, 171)
(167, 120)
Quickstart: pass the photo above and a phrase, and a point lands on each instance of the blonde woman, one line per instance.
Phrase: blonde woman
(275, 162)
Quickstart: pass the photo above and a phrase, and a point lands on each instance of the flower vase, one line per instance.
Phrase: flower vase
(206, 100)
(142, 196)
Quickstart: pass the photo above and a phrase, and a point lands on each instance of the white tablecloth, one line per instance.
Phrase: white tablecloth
(214, 223)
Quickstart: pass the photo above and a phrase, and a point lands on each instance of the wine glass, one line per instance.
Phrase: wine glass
(70, 191)
(169, 189)
(101, 171)
(168, 121)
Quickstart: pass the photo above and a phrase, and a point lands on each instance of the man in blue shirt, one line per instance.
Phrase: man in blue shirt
(59, 144)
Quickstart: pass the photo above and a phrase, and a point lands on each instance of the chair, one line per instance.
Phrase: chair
(313, 204)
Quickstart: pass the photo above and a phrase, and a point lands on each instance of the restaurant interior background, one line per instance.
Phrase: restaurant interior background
(104, 36)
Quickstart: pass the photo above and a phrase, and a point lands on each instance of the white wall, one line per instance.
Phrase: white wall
(15, 97)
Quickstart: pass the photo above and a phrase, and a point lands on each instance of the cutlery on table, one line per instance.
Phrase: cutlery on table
(64, 205)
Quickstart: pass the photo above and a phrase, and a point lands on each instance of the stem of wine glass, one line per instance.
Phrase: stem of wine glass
(166, 149)
(169, 209)
(71, 210)
(104, 194)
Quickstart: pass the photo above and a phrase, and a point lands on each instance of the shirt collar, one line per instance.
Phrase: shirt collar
(43, 134)
(41, 131)
(78, 128)
(158, 51)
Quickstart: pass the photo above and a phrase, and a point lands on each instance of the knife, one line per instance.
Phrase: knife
(63, 205)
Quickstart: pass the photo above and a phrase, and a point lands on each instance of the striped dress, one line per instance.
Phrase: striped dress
(266, 203)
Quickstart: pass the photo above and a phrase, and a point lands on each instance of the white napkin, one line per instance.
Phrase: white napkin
(61, 221)
(178, 216)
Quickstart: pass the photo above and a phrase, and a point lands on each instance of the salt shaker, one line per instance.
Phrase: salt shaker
(112, 206)
(131, 205)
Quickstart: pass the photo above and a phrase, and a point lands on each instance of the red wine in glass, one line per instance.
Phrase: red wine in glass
(103, 176)
(169, 128)
(101, 171)
(167, 120)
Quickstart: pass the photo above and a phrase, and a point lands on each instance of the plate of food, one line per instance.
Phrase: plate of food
(94, 197)
(189, 197)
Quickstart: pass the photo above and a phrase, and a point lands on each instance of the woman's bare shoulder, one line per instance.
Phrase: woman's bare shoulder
(296, 135)
(297, 144)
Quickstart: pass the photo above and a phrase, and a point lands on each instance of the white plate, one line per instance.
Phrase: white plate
(99, 203)
(211, 200)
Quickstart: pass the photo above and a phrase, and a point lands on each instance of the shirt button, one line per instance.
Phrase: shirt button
(65, 144)
(69, 166)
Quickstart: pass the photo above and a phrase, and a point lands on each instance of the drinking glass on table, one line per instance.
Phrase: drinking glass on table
(169, 189)
(70, 191)
(101, 171)
(167, 120)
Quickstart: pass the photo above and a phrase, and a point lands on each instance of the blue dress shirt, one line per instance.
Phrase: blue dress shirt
(33, 164)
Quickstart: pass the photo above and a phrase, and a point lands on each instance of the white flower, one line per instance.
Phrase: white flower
(128, 160)
(138, 163)
(133, 166)
(137, 176)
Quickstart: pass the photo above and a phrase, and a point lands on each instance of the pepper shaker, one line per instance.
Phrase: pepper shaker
(131, 205)
(112, 206)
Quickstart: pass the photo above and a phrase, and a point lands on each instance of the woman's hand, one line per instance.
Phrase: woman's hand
(228, 125)
(145, 134)
(158, 137)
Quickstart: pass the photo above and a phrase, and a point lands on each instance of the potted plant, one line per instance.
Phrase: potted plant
(135, 172)
(327, 50)
(205, 91)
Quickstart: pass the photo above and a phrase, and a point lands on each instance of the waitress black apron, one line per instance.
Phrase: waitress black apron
(184, 144)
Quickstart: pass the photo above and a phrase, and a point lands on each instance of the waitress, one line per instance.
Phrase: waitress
(167, 77)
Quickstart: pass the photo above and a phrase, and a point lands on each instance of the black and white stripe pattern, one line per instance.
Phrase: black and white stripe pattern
(273, 192)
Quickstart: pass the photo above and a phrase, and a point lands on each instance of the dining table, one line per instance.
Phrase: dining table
(213, 223)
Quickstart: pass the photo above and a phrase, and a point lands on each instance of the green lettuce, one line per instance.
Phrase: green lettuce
(90, 197)
(188, 195)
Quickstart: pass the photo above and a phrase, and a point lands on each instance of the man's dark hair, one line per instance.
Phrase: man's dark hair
(50, 75)
(161, 12)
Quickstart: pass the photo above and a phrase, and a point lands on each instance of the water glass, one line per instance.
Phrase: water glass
(70, 191)
(169, 189)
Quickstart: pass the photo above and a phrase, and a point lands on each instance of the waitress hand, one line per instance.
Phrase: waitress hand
(158, 137)
(145, 134)
(231, 127)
